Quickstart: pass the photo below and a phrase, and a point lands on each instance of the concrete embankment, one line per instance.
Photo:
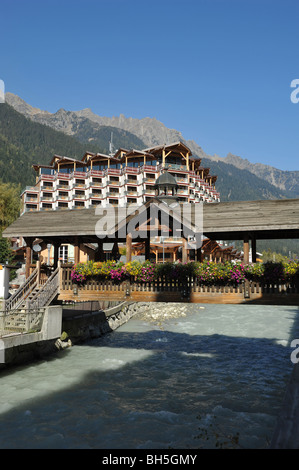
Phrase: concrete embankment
(83, 326)
(19, 348)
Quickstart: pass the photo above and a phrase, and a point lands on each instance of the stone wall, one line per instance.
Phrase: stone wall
(88, 326)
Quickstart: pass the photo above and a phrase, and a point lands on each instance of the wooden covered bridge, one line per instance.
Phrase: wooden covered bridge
(248, 221)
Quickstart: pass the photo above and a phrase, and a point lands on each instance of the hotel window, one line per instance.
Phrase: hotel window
(97, 181)
(133, 164)
(115, 166)
(63, 183)
(47, 206)
(114, 191)
(66, 169)
(99, 166)
(47, 171)
(47, 195)
(79, 182)
(80, 194)
(62, 195)
(31, 207)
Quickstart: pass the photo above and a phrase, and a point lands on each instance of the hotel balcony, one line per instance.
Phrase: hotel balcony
(79, 196)
(31, 208)
(49, 207)
(29, 198)
(151, 168)
(97, 184)
(149, 180)
(47, 198)
(150, 192)
(113, 194)
(63, 197)
(97, 195)
(61, 206)
(182, 181)
(132, 181)
(47, 188)
(32, 189)
(183, 191)
(174, 167)
(79, 174)
(114, 171)
(63, 186)
(42, 178)
(79, 185)
(96, 173)
(131, 170)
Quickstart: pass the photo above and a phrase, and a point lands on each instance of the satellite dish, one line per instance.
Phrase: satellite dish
(37, 248)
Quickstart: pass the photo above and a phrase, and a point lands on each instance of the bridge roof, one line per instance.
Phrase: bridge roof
(266, 219)
(221, 221)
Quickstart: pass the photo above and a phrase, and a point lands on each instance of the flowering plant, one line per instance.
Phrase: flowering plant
(208, 273)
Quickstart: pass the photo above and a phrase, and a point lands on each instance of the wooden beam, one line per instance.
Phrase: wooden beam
(129, 247)
(147, 249)
(253, 250)
(246, 250)
(99, 254)
(198, 255)
(184, 251)
(28, 261)
(56, 252)
(77, 251)
(29, 242)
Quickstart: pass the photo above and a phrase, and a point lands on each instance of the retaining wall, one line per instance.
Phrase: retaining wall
(18, 349)
(89, 326)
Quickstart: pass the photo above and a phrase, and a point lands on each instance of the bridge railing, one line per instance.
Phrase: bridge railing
(179, 288)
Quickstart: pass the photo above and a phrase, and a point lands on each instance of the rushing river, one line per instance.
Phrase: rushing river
(216, 375)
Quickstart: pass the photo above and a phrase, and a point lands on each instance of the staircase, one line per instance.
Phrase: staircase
(23, 311)
(31, 295)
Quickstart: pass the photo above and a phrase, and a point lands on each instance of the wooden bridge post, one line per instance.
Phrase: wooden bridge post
(147, 250)
(56, 254)
(60, 287)
(129, 248)
(77, 250)
(246, 249)
(29, 243)
(38, 263)
(198, 255)
(253, 250)
(184, 251)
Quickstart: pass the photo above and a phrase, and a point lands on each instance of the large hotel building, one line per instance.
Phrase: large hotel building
(126, 177)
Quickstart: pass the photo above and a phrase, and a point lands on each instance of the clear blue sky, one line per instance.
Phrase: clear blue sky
(219, 71)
